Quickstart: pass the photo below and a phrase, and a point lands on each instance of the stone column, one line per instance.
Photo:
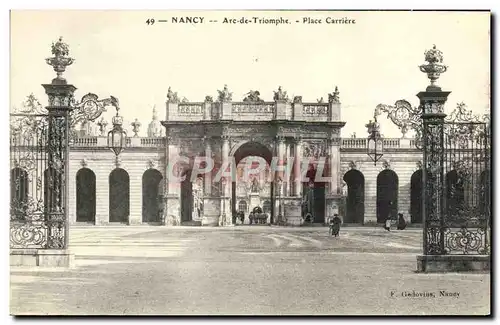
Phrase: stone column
(292, 204)
(289, 183)
(334, 164)
(334, 196)
(278, 191)
(297, 153)
(226, 187)
(172, 213)
(208, 176)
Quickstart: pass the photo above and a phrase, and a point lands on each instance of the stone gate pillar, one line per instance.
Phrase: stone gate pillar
(45, 242)
(435, 257)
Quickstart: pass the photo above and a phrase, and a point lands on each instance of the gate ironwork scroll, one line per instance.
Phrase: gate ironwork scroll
(465, 194)
(37, 171)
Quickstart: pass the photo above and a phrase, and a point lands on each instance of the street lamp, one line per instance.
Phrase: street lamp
(375, 143)
(117, 136)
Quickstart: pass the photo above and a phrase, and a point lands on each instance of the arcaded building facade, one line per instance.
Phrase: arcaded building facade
(132, 188)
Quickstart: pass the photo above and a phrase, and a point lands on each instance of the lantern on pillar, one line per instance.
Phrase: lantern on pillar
(117, 136)
(374, 143)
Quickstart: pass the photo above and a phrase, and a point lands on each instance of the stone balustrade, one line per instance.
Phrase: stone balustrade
(245, 111)
(389, 143)
(154, 142)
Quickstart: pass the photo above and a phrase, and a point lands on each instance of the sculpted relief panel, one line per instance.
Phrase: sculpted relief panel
(314, 149)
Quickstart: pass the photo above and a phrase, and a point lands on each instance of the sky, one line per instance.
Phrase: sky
(372, 61)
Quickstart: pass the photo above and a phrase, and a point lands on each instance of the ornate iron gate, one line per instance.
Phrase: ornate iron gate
(464, 194)
(38, 200)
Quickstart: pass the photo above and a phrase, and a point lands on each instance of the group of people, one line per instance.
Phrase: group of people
(335, 222)
(401, 223)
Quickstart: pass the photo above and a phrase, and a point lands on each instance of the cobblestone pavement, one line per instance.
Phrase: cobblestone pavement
(244, 271)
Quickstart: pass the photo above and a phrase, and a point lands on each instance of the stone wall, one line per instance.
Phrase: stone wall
(403, 162)
(102, 163)
(136, 160)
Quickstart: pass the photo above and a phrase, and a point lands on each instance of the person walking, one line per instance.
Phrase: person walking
(401, 222)
(335, 225)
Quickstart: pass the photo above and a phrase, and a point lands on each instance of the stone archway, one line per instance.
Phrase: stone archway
(248, 149)
(85, 195)
(416, 194)
(387, 195)
(355, 201)
(150, 191)
(119, 196)
(222, 129)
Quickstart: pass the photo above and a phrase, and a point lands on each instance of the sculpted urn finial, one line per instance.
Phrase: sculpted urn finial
(434, 66)
(136, 125)
(60, 60)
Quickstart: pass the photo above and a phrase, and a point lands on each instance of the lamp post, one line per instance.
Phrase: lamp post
(117, 136)
(374, 143)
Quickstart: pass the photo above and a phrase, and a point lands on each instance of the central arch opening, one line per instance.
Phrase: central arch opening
(314, 192)
(257, 189)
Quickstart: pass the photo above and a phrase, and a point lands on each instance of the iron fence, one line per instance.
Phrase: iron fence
(462, 199)
(37, 178)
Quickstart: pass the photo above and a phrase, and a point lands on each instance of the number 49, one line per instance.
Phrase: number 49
(150, 21)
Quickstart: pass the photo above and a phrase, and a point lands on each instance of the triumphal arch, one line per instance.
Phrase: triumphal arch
(226, 130)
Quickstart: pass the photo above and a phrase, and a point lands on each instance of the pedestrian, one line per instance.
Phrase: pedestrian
(335, 225)
(309, 218)
(401, 222)
(387, 225)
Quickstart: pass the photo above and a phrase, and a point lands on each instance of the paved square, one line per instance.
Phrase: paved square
(245, 271)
